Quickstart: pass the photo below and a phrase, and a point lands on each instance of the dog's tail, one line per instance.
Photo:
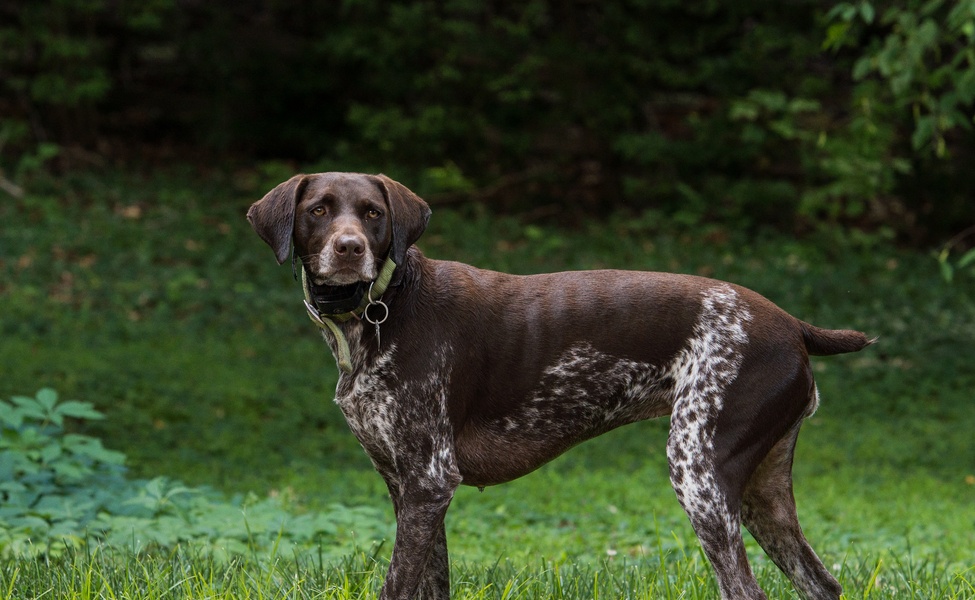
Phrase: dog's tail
(824, 342)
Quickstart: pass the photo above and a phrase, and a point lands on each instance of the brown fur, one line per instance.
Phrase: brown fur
(480, 377)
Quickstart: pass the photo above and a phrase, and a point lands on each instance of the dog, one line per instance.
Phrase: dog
(451, 375)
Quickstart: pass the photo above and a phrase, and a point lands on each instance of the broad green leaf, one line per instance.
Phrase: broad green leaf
(12, 487)
(968, 28)
(29, 407)
(35, 525)
(92, 448)
(79, 410)
(10, 416)
(70, 470)
(50, 452)
(47, 398)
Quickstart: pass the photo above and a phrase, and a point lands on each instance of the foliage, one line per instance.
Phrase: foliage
(60, 60)
(927, 58)
(950, 265)
(63, 491)
(706, 111)
(915, 63)
(53, 484)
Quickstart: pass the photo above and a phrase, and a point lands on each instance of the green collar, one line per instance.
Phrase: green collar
(331, 322)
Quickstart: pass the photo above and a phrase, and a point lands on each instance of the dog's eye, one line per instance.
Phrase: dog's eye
(318, 211)
(373, 214)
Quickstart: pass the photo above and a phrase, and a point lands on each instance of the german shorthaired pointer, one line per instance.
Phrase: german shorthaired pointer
(452, 374)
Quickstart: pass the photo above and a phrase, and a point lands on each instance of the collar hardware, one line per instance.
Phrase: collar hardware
(330, 319)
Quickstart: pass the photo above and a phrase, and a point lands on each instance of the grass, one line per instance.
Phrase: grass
(180, 575)
(151, 298)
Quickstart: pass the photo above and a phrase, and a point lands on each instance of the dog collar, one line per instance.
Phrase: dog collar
(368, 296)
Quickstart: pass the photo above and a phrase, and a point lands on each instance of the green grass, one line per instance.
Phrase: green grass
(99, 574)
(151, 298)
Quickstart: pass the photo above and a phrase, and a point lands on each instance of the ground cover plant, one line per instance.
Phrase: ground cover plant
(149, 298)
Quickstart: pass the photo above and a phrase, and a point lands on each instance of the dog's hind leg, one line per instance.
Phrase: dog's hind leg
(716, 518)
(769, 513)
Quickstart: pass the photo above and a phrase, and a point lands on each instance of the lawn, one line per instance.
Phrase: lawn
(149, 297)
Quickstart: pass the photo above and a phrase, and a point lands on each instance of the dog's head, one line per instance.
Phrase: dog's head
(343, 225)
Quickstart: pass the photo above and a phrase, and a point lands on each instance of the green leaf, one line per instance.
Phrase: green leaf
(82, 445)
(835, 36)
(966, 259)
(79, 410)
(12, 487)
(35, 525)
(10, 416)
(923, 132)
(843, 10)
(47, 398)
(947, 271)
(50, 453)
(29, 407)
(968, 28)
(70, 470)
(867, 12)
(26, 402)
(862, 68)
(927, 34)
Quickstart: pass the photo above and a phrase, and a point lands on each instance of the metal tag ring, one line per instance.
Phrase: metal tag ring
(377, 322)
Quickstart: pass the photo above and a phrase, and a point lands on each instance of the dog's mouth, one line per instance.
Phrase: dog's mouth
(341, 277)
(336, 299)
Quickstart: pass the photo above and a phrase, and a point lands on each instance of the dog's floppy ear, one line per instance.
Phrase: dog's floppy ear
(273, 216)
(408, 213)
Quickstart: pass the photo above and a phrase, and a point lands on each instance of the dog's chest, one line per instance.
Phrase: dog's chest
(371, 409)
(400, 422)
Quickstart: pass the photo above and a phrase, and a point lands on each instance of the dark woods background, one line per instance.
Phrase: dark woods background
(755, 113)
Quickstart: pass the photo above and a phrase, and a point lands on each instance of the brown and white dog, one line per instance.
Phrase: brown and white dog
(456, 375)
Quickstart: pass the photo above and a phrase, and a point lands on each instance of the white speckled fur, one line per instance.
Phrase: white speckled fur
(629, 391)
(702, 374)
(381, 410)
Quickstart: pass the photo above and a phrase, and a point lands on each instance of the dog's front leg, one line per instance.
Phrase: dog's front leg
(404, 427)
(419, 566)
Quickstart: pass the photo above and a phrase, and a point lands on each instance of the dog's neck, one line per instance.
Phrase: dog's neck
(341, 303)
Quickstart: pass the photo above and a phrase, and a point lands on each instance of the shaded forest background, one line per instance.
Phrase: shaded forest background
(756, 113)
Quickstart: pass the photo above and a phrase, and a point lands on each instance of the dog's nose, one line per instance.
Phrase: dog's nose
(349, 245)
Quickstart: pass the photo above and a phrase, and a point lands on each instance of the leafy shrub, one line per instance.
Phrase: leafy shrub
(62, 490)
(926, 56)
(59, 65)
(53, 484)
(914, 99)
(950, 264)
(578, 107)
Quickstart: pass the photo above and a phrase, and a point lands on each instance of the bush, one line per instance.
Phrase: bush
(914, 98)
(62, 490)
(700, 109)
